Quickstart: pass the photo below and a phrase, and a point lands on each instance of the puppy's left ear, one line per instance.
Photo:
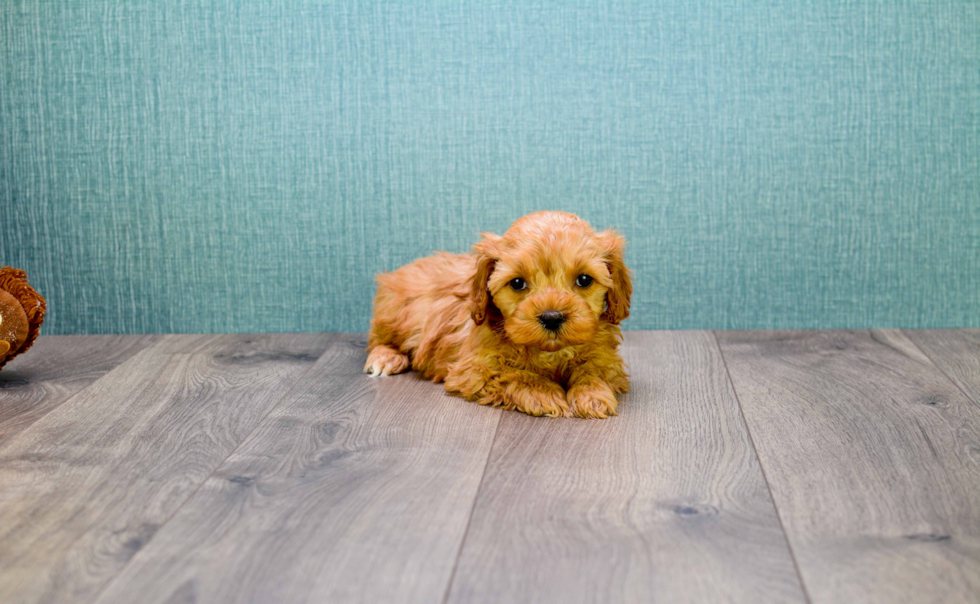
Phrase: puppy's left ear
(618, 296)
(486, 258)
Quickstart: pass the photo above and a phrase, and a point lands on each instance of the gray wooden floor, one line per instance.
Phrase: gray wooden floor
(833, 466)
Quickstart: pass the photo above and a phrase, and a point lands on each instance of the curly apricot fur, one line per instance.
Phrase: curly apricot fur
(456, 318)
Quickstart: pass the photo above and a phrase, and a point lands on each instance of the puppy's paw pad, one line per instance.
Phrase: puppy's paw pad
(384, 361)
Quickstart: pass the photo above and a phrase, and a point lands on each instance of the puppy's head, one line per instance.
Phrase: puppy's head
(550, 280)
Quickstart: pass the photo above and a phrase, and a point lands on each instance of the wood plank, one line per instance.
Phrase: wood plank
(53, 370)
(353, 489)
(956, 352)
(88, 485)
(665, 502)
(873, 458)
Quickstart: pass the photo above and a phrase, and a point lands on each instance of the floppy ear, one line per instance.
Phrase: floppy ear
(486, 258)
(618, 296)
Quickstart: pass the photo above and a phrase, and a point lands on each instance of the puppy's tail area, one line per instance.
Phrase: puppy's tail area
(385, 360)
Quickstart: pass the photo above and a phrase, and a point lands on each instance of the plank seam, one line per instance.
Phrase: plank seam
(758, 458)
(14, 430)
(147, 351)
(299, 380)
(476, 498)
(941, 370)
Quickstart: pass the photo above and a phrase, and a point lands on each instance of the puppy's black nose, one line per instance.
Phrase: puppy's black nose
(551, 319)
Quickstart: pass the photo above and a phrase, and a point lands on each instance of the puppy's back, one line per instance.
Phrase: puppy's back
(422, 308)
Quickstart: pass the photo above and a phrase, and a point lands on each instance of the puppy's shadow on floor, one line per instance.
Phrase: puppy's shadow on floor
(400, 383)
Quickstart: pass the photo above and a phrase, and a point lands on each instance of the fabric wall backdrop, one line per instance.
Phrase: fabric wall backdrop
(249, 166)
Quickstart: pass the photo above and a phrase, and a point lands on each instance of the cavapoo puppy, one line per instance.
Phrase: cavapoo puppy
(529, 321)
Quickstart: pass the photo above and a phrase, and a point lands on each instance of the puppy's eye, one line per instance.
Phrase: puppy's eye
(518, 284)
(583, 281)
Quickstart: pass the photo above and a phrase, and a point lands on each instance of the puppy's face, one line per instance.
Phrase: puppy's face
(550, 280)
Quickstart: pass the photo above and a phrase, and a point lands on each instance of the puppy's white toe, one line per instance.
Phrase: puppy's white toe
(375, 370)
(384, 361)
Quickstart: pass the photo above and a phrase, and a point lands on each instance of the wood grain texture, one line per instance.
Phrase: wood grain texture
(355, 489)
(873, 459)
(665, 502)
(89, 484)
(957, 354)
(54, 369)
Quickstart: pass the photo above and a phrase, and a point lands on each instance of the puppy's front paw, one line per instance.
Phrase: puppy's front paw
(535, 400)
(539, 399)
(384, 360)
(593, 400)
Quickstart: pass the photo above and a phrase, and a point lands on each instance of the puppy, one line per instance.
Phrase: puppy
(529, 321)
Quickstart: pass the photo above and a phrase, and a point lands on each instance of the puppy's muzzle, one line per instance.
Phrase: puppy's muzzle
(551, 319)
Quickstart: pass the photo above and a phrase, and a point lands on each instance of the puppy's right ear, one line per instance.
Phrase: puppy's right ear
(486, 257)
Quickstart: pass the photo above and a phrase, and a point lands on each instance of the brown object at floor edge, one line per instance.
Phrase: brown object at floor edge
(21, 313)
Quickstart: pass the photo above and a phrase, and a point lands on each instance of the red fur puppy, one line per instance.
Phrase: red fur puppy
(529, 321)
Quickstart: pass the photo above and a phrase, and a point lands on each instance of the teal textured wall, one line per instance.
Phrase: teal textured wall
(248, 166)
